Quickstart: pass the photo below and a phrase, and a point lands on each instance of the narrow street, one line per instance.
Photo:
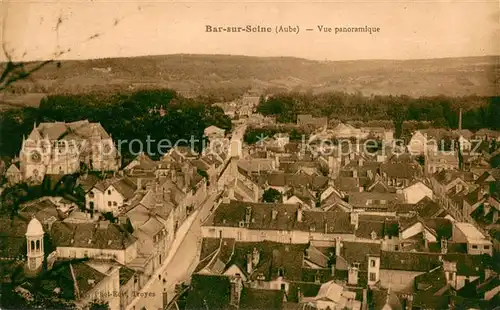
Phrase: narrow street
(180, 263)
(184, 254)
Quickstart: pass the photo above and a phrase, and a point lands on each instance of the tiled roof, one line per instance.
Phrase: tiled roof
(253, 299)
(209, 292)
(358, 252)
(90, 235)
(294, 180)
(306, 290)
(400, 170)
(125, 275)
(88, 181)
(471, 265)
(230, 215)
(426, 207)
(317, 257)
(80, 129)
(383, 299)
(362, 199)
(12, 238)
(124, 186)
(409, 261)
(66, 275)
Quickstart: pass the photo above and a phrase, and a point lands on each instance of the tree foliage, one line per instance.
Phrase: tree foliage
(125, 116)
(440, 111)
(272, 195)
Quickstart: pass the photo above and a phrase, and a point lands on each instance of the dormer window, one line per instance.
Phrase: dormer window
(242, 224)
(373, 235)
(91, 195)
(280, 272)
(355, 265)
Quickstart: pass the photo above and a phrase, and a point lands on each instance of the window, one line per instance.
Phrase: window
(109, 192)
(317, 278)
(396, 247)
(450, 276)
(114, 203)
(486, 247)
(38, 244)
(109, 203)
(239, 235)
(283, 286)
(32, 245)
(280, 272)
(91, 195)
(474, 246)
(373, 277)
(372, 263)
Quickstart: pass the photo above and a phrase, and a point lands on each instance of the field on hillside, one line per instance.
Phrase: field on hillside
(228, 76)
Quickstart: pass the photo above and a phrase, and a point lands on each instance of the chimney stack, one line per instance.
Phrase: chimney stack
(460, 120)
(299, 214)
(274, 214)
(255, 257)
(355, 219)
(236, 288)
(249, 263)
(299, 295)
(444, 246)
(248, 215)
(338, 245)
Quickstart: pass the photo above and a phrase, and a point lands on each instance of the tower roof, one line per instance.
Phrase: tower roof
(34, 135)
(35, 228)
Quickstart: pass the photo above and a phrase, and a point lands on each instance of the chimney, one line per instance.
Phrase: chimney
(168, 195)
(495, 215)
(274, 214)
(248, 215)
(255, 257)
(338, 246)
(299, 214)
(360, 162)
(487, 209)
(426, 242)
(487, 273)
(299, 295)
(444, 246)
(249, 263)
(236, 288)
(352, 277)
(409, 302)
(365, 299)
(187, 176)
(103, 224)
(460, 120)
(355, 219)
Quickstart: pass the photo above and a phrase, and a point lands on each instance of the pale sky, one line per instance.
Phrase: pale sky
(408, 29)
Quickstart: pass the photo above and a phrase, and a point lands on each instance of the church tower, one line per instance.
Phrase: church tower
(34, 240)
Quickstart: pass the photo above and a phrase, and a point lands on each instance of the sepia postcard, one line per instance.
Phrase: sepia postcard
(225, 155)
